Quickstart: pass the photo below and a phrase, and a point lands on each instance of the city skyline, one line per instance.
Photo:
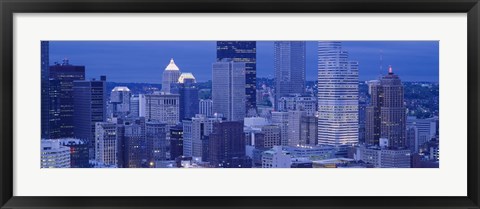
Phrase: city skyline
(235, 121)
(413, 60)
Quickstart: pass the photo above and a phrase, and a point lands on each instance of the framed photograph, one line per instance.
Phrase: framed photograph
(231, 104)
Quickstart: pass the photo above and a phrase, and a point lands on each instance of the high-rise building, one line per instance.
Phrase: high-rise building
(156, 142)
(89, 105)
(120, 100)
(294, 128)
(195, 131)
(170, 76)
(228, 79)
(281, 120)
(54, 155)
(61, 91)
(246, 52)
(386, 115)
(132, 143)
(337, 95)
(188, 96)
(271, 136)
(163, 107)
(137, 105)
(205, 107)
(298, 102)
(45, 76)
(107, 146)
(423, 130)
(227, 146)
(176, 142)
(384, 158)
(308, 130)
(289, 66)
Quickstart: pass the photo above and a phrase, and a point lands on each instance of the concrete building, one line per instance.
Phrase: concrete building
(120, 100)
(276, 158)
(298, 102)
(384, 158)
(163, 107)
(294, 128)
(54, 155)
(170, 76)
(106, 143)
(205, 107)
(195, 131)
(281, 120)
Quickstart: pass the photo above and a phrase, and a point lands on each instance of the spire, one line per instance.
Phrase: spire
(172, 65)
(390, 70)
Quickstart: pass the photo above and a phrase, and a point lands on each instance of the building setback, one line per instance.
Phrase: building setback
(246, 52)
(337, 95)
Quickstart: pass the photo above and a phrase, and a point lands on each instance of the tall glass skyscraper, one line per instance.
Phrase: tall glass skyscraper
(243, 51)
(61, 90)
(337, 95)
(228, 80)
(289, 65)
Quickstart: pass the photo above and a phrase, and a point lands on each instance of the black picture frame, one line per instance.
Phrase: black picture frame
(10, 7)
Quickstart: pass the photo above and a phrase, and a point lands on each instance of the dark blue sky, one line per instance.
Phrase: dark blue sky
(144, 61)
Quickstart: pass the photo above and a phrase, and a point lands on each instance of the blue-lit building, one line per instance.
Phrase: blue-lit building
(188, 96)
(246, 52)
(289, 66)
(89, 102)
(45, 77)
(62, 77)
(227, 146)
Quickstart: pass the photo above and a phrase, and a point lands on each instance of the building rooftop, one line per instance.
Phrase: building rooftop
(172, 65)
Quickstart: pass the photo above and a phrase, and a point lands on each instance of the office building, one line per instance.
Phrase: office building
(205, 107)
(294, 128)
(78, 152)
(424, 130)
(189, 102)
(245, 52)
(299, 103)
(107, 146)
(228, 81)
(170, 76)
(386, 115)
(337, 95)
(176, 142)
(289, 66)
(281, 120)
(44, 90)
(132, 142)
(195, 131)
(120, 100)
(308, 130)
(163, 107)
(54, 155)
(384, 158)
(227, 146)
(61, 89)
(156, 142)
(276, 158)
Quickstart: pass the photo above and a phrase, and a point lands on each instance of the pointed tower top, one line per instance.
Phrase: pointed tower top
(390, 70)
(172, 65)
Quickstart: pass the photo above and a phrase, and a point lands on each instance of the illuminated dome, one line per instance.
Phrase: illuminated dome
(172, 66)
(184, 76)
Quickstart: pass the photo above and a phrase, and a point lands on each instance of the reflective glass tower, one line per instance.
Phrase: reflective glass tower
(242, 51)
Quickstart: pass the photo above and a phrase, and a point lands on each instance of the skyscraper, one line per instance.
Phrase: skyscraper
(227, 146)
(45, 77)
(176, 142)
(294, 127)
(188, 96)
(246, 52)
(289, 66)
(228, 81)
(281, 120)
(89, 107)
(156, 142)
(120, 100)
(107, 146)
(170, 76)
(337, 95)
(386, 115)
(61, 79)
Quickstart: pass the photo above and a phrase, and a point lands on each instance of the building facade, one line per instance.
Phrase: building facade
(337, 95)
(289, 66)
(163, 107)
(170, 76)
(228, 81)
(245, 52)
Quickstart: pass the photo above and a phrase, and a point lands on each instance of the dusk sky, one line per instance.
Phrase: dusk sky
(144, 61)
